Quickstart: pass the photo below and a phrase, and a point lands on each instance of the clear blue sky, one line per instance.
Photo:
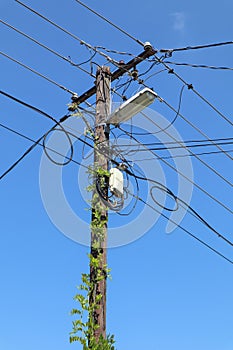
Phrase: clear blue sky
(168, 291)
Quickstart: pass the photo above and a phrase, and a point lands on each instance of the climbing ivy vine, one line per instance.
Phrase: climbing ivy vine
(84, 326)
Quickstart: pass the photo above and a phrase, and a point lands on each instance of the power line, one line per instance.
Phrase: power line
(184, 146)
(183, 229)
(225, 140)
(184, 155)
(47, 48)
(199, 66)
(109, 22)
(165, 65)
(190, 87)
(196, 156)
(57, 123)
(178, 113)
(35, 143)
(25, 104)
(185, 119)
(183, 175)
(82, 42)
(37, 73)
(197, 47)
(178, 201)
(52, 129)
(193, 126)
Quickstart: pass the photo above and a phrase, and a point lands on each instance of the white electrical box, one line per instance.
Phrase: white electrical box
(116, 182)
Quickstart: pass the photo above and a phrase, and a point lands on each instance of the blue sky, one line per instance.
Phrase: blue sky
(168, 291)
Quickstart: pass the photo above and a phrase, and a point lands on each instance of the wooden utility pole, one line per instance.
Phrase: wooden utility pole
(98, 275)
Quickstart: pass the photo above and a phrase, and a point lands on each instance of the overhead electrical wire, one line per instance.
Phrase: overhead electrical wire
(184, 147)
(183, 175)
(47, 48)
(167, 148)
(56, 124)
(177, 113)
(185, 119)
(193, 212)
(37, 73)
(82, 42)
(38, 142)
(199, 66)
(128, 172)
(159, 60)
(184, 155)
(109, 22)
(142, 44)
(197, 47)
(223, 140)
(177, 201)
(190, 86)
(183, 229)
(193, 126)
(37, 110)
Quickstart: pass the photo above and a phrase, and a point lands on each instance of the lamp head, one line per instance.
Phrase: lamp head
(132, 106)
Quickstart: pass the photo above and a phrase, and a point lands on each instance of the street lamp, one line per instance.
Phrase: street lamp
(132, 106)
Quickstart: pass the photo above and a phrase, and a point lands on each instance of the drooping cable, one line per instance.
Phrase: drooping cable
(39, 143)
(184, 229)
(178, 200)
(76, 65)
(82, 42)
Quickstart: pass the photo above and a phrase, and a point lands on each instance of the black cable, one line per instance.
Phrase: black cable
(71, 147)
(177, 200)
(25, 104)
(199, 66)
(197, 47)
(111, 23)
(184, 155)
(193, 126)
(82, 42)
(57, 123)
(174, 119)
(185, 230)
(178, 147)
(226, 141)
(201, 160)
(35, 142)
(184, 176)
(129, 172)
(37, 73)
(190, 87)
(47, 48)
(158, 185)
